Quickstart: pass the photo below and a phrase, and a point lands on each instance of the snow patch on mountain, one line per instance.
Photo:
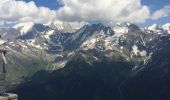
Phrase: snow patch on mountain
(136, 52)
(143, 53)
(48, 34)
(166, 27)
(32, 42)
(61, 25)
(120, 30)
(89, 44)
(153, 27)
(2, 42)
(67, 26)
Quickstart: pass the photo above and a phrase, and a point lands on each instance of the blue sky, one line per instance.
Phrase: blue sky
(52, 4)
(44, 11)
(156, 5)
(153, 4)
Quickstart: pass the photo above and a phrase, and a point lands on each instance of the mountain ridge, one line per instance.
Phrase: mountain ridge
(53, 49)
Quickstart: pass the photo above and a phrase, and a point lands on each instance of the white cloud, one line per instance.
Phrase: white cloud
(20, 11)
(78, 11)
(2, 23)
(104, 11)
(164, 12)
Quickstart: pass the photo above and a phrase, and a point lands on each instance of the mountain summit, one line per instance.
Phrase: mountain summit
(85, 60)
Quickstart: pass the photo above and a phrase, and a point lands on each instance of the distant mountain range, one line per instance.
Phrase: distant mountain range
(92, 62)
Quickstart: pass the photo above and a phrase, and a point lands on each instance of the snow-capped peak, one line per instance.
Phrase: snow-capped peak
(166, 27)
(67, 26)
(120, 29)
(124, 24)
(24, 27)
(159, 29)
(128, 23)
(153, 27)
(63, 26)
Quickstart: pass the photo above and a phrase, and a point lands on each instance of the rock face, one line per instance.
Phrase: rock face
(95, 62)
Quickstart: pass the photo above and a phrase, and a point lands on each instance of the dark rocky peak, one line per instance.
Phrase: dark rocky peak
(40, 27)
(133, 28)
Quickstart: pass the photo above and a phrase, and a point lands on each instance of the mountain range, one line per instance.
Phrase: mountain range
(91, 62)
